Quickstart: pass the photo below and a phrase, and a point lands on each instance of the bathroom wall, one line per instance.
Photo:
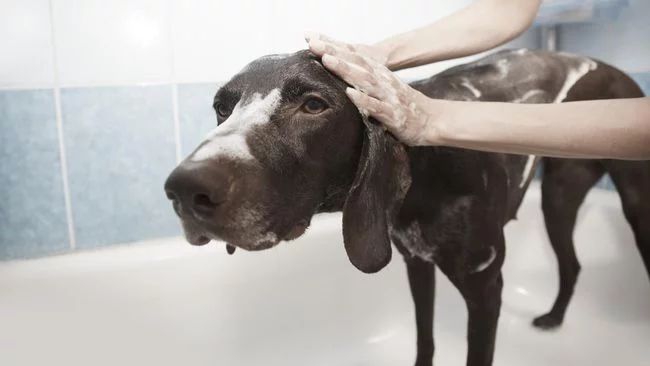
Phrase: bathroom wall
(624, 43)
(99, 100)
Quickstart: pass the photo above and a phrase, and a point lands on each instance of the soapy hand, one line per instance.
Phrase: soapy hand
(377, 91)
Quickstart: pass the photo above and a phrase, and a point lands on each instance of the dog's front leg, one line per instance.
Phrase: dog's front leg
(422, 282)
(483, 298)
(481, 288)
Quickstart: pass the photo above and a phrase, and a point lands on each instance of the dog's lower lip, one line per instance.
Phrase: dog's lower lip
(297, 230)
(199, 240)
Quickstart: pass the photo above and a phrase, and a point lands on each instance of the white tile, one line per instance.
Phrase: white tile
(25, 44)
(212, 40)
(354, 21)
(112, 42)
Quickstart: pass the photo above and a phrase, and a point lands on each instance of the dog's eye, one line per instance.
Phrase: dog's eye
(314, 106)
(223, 111)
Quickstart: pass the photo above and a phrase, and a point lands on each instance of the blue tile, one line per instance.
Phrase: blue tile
(622, 43)
(195, 114)
(120, 147)
(32, 208)
(643, 79)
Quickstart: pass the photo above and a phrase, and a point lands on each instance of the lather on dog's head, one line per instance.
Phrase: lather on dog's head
(289, 144)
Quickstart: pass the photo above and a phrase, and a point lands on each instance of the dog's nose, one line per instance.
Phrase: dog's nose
(198, 188)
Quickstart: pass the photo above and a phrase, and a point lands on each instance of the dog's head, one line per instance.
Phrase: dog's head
(289, 144)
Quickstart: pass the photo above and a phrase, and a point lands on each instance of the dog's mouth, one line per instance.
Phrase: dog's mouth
(199, 237)
(297, 230)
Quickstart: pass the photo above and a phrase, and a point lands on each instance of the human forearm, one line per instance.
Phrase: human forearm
(481, 26)
(618, 129)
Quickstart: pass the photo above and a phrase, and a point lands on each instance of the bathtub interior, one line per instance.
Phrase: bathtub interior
(302, 303)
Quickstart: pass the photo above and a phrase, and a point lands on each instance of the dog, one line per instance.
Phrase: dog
(290, 144)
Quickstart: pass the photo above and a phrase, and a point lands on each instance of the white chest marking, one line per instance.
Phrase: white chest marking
(483, 266)
(229, 139)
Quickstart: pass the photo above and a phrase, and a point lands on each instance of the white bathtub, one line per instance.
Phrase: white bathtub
(168, 303)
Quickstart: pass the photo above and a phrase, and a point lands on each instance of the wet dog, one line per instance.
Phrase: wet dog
(290, 144)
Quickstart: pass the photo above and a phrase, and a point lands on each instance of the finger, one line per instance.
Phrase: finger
(379, 110)
(343, 53)
(352, 74)
(313, 36)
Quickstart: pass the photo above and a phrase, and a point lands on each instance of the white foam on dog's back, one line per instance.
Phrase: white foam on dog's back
(229, 138)
(573, 75)
(528, 168)
(469, 86)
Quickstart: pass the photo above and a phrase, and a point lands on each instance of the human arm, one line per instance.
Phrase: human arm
(597, 129)
(481, 26)
(615, 128)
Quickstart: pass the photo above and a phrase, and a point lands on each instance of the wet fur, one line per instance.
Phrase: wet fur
(442, 207)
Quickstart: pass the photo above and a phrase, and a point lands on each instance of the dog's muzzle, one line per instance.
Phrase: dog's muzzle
(197, 191)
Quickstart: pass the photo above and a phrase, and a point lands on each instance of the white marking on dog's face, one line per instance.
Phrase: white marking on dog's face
(572, 77)
(483, 266)
(470, 87)
(229, 138)
(528, 168)
(521, 51)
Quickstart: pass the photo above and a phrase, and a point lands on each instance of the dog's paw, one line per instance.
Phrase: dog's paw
(547, 322)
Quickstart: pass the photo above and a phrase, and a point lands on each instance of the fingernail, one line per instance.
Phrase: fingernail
(309, 36)
(330, 60)
(317, 45)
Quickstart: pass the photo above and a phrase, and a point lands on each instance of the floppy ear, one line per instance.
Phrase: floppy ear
(382, 179)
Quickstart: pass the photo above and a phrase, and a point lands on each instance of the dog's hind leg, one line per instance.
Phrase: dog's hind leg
(565, 184)
(632, 180)
(421, 276)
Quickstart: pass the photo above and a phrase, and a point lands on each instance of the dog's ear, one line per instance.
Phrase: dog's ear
(382, 179)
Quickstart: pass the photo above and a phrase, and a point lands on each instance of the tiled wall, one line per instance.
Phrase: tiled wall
(99, 100)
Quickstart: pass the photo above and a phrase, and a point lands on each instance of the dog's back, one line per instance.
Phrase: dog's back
(523, 76)
(527, 76)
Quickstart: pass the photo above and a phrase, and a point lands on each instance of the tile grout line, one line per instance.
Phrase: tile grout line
(175, 111)
(177, 126)
(109, 84)
(59, 126)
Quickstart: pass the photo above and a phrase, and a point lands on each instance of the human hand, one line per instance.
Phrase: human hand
(375, 53)
(377, 91)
